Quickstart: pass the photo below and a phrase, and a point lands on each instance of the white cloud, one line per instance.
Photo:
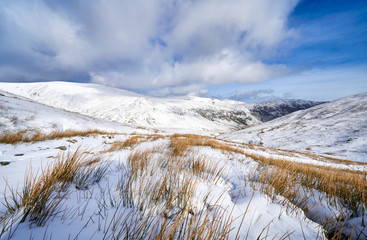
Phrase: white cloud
(145, 44)
(34, 31)
(206, 26)
(218, 69)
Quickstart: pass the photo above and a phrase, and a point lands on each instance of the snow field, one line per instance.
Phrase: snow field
(335, 129)
(159, 186)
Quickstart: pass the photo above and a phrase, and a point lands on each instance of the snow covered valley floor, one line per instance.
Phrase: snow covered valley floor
(149, 185)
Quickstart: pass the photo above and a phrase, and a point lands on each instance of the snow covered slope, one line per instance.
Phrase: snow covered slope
(110, 199)
(183, 113)
(337, 128)
(20, 114)
(269, 110)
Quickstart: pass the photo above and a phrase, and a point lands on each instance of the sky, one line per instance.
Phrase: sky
(244, 50)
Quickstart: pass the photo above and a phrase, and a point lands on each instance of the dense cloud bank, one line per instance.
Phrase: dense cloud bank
(167, 47)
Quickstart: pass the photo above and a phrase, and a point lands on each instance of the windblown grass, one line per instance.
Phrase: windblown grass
(132, 141)
(24, 136)
(43, 193)
(280, 177)
(346, 187)
(167, 178)
(165, 184)
(181, 143)
(212, 224)
(129, 143)
(155, 196)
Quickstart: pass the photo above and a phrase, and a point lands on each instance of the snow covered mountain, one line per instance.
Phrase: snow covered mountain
(337, 128)
(192, 114)
(21, 114)
(113, 179)
(269, 110)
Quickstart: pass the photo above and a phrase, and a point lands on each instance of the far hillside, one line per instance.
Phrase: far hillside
(337, 129)
(269, 110)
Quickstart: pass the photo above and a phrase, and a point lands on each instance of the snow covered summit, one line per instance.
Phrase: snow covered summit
(19, 114)
(180, 113)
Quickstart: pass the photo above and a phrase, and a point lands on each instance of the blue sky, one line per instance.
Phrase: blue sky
(239, 49)
(328, 56)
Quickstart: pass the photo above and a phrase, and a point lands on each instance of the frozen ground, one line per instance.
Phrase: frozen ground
(261, 212)
(87, 213)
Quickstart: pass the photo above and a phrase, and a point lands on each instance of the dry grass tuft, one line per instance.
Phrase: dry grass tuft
(346, 187)
(156, 181)
(133, 141)
(158, 186)
(129, 143)
(24, 136)
(212, 224)
(181, 143)
(43, 193)
(342, 188)
(165, 184)
(297, 181)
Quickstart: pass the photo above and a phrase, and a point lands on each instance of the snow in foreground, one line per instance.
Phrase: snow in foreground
(151, 183)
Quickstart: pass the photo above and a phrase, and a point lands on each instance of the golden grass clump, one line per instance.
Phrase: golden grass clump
(174, 173)
(181, 143)
(138, 161)
(216, 223)
(24, 136)
(278, 176)
(179, 146)
(347, 187)
(165, 184)
(133, 141)
(43, 193)
(156, 181)
(297, 184)
(158, 186)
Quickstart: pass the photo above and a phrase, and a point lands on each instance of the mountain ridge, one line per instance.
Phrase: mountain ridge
(21, 114)
(337, 128)
(188, 113)
(269, 110)
(181, 113)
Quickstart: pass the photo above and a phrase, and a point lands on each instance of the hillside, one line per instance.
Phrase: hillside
(269, 110)
(337, 128)
(188, 114)
(131, 183)
(20, 114)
